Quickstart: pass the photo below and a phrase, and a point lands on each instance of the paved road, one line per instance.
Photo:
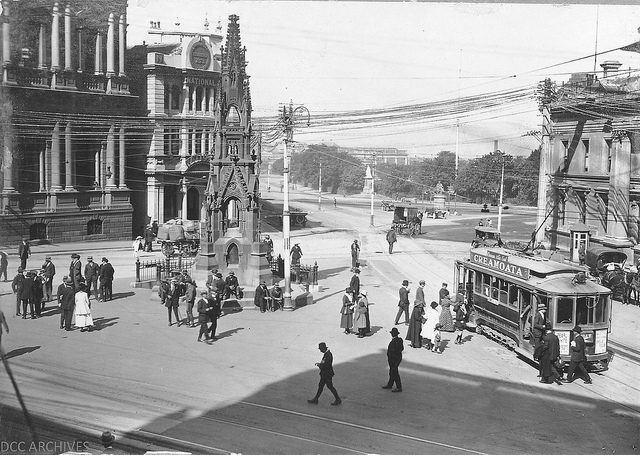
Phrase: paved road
(159, 388)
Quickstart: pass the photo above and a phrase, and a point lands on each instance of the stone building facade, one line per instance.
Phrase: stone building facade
(593, 170)
(68, 118)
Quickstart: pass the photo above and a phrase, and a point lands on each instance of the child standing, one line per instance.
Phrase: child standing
(437, 339)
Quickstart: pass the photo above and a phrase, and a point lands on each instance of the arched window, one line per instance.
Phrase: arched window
(38, 231)
(94, 227)
(232, 213)
(233, 116)
(232, 254)
(193, 204)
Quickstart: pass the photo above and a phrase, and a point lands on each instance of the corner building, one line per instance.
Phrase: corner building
(70, 121)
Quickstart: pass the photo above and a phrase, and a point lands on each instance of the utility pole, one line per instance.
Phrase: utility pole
(320, 188)
(501, 192)
(373, 179)
(546, 95)
(288, 122)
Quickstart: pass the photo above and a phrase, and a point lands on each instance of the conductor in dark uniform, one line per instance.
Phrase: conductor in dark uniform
(394, 357)
(326, 376)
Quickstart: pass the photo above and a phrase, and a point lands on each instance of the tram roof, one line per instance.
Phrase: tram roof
(545, 274)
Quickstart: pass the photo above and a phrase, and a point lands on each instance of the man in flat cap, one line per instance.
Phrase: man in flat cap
(75, 271)
(48, 272)
(326, 376)
(16, 286)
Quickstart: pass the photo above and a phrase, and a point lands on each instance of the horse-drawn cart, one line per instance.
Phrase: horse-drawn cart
(407, 219)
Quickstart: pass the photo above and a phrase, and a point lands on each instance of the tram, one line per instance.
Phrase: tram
(506, 287)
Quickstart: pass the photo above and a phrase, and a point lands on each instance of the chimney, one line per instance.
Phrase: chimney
(610, 66)
(495, 145)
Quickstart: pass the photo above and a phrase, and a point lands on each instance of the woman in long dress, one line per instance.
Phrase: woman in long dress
(364, 297)
(83, 311)
(446, 320)
(346, 320)
(414, 334)
(360, 319)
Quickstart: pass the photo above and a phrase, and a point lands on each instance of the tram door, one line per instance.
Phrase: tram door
(526, 316)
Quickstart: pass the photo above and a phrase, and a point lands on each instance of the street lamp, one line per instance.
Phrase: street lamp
(320, 188)
(288, 121)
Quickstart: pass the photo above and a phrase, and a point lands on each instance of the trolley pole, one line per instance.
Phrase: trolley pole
(288, 120)
(501, 194)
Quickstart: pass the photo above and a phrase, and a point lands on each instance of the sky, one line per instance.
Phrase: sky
(336, 57)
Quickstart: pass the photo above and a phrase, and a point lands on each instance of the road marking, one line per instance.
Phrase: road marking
(362, 427)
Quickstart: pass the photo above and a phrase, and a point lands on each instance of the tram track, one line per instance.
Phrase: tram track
(625, 351)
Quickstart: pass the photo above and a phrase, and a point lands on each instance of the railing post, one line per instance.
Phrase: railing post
(137, 270)
(158, 272)
(315, 274)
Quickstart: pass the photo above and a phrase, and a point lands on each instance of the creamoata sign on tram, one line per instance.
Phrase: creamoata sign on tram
(501, 264)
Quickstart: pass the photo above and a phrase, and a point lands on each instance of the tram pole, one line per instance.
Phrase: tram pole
(501, 194)
(288, 120)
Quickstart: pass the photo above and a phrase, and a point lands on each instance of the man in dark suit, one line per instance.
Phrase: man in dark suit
(403, 304)
(550, 354)
(106, 280)
(66, 299)
(48, 271)
(75, 271)
(91, 275)
(394, 358)
(577, 357)
(203, 316)
(27, 296)
(24, 251)
(213, 311)
(354, 284)
(16, 285)
(326, 376)
(231, 285)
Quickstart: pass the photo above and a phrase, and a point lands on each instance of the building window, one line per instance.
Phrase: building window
(191, 107)
(94, 227)
(175, 97)
(167, 96)
(38, 231)
(171, 141)
(189, 141)
(609, 145)
(199, 97)
(585, 146)
(198, 138)
(207, 99)
(565, 156)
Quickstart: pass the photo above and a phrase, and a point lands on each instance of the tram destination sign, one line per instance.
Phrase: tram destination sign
(500, 263)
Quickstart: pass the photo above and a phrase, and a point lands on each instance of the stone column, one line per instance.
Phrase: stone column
(55, 38)
(41, 170)
(193, 99)
(161, 203)
(55, 159)
(184, 146)
(111, 169)
(67, 38)
(619, 186)
(111, 46)
(80, 50)
(96, 169)
(122, 28)
(185, 98)
(6, 33)
(183, 192)
(42, 63)
(47, 166)
(203, 142)
(152, 198)
(8, 162)
(69, 159)
(121, 160)
(98, 59)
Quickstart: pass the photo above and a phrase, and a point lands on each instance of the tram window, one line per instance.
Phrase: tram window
(494, 289)
(478, 283)
(564, 314)
(513, 295)
(601, 309)
(486, 284)
(582, 310)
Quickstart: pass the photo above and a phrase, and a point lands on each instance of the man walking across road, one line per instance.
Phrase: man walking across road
(355, 254)
(394, 357)
(48, 271)
(24, 251)
(3, 323)
(326, 375)
(577, 357)
(403, 304)
(203, 316)
(4, 264)
(420, 294)
(91, 274)
(391, 239)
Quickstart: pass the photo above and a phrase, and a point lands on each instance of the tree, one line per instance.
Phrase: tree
(339, 169)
